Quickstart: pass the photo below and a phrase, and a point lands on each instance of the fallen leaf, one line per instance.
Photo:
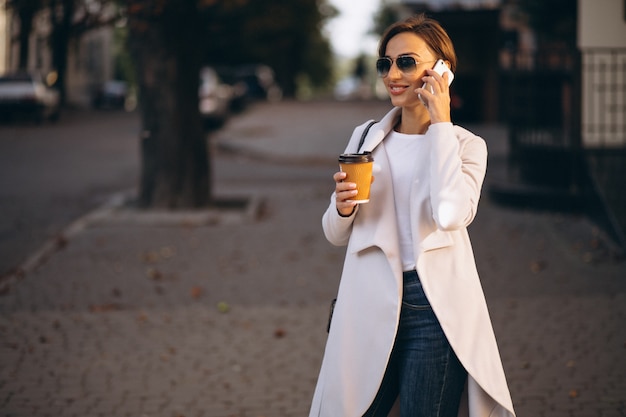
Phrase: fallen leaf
(4, 289)
(61, 241)
(167, 252)
(196, 292)
(537, 266)
(154, 274)
(150, 257)
(279, 333)
(223, 307)
(104, 308)
(573, 393)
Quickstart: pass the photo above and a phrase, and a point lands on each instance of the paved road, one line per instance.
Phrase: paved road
(51, 174)
(143, 317)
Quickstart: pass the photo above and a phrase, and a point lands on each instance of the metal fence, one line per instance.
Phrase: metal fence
(604, 98)
(539, 107)
(603, 130)
(567, 125)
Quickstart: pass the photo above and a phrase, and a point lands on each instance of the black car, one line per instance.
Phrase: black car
(110, 95)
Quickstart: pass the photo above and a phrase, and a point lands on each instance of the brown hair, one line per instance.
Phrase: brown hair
(426, 28)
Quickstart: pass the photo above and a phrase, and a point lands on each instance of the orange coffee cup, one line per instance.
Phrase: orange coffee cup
(358, 169)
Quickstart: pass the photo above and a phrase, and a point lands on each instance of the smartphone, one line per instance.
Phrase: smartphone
(440, 68)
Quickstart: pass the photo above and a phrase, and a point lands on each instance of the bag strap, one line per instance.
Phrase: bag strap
(365, 132)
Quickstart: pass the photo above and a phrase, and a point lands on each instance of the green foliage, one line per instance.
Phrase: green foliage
(384, 18)
(123, 64)
(283, 34)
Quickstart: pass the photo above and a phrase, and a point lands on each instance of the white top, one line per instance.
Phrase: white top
(408, 155)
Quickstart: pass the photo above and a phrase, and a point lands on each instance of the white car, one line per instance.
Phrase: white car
(214, 97)
(26, 93)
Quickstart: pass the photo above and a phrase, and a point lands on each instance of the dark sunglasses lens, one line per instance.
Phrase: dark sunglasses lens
(383, 65)
(406, 63)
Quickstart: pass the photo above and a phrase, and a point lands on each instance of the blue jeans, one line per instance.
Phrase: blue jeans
(423, 369)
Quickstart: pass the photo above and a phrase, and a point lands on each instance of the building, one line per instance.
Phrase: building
(602, 44)
(91, 57)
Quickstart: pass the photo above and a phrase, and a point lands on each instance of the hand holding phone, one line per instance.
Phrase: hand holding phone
(440, 68)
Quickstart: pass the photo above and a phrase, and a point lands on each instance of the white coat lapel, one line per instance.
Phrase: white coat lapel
(375, 223)
(379, 130)
(379, 213)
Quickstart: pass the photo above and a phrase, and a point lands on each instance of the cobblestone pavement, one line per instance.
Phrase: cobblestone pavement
(227, 318)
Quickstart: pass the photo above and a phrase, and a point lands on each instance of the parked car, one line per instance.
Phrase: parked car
(214, 98)
(260, 82)
(111, 94)
(249, 83)
(27, 94)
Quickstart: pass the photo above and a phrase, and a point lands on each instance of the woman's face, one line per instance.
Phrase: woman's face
(401, 86)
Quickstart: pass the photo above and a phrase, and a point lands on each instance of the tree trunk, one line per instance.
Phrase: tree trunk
(61, 31)
(175, 162)
(26, 11)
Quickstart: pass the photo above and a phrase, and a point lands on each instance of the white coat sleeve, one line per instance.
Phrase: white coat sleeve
(337, 228)
(458, 165)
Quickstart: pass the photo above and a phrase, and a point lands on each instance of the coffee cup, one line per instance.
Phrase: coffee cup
(358, 169)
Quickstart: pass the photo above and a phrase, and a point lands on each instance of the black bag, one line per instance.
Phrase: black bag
(330, 314)
(334, 301)
(365, 132)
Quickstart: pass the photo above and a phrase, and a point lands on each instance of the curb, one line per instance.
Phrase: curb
(230, 147)
(117, 210)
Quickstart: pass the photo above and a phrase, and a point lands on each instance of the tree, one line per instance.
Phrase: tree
(70, 19)
(61, 17)
(25, 10)
(163, 40)
(286, 35)
(385, 17)
(170, 40)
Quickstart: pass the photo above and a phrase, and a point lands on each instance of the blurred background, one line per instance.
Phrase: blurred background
(164, 165)
(552, 72)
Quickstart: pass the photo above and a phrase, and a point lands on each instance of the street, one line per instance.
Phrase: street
(51, 174)
(228, 318)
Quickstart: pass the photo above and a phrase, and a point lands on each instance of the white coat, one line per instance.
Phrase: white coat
(366, 315)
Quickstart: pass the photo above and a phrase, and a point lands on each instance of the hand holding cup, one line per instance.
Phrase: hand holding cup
(352, 183)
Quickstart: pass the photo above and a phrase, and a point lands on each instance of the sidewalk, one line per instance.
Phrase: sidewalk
(226, 318)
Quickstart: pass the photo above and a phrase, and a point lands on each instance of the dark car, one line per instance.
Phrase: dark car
(260, 82)
(27, 94)
(110, 95)
(250, 83)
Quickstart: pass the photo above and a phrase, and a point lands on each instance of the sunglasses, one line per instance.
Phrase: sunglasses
(405, 63)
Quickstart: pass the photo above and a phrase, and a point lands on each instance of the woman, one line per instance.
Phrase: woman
(410, 329)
